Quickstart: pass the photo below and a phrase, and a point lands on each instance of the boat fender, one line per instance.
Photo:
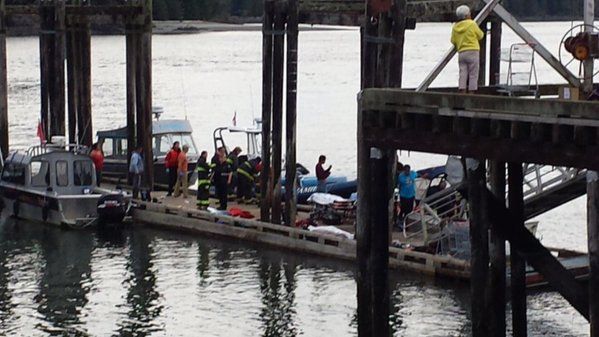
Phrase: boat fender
(15, 208)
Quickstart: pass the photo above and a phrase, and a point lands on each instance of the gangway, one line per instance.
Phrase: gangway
(545, 188)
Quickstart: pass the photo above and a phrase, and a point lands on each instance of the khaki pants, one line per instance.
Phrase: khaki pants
(469, 66)
(181, 186)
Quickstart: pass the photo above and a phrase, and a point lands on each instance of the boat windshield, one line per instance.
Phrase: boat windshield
(83, 171)
(163, 143)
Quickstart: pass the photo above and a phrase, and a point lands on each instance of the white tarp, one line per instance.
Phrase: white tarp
(331, 230)
(325, 198)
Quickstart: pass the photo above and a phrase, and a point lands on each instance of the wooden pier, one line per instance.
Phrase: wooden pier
(65, 37)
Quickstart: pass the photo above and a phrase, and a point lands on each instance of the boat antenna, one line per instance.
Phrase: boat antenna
(184, 96)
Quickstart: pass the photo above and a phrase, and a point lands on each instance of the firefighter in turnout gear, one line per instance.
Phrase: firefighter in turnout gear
(221, 176)
(233, 162)
(246, 174)
(203, 170)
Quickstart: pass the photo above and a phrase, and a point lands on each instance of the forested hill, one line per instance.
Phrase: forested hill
(224, 10)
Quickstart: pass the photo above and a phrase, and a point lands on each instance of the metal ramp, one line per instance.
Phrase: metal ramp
(545, 188)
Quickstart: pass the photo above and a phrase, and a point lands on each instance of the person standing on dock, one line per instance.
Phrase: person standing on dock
(182, 185)
(407, 191)
(222, 177)
(465, 37)
(322, 174)
(233, 162)
(136, 169)
(97, 157)
(203, 169)
(171, 162)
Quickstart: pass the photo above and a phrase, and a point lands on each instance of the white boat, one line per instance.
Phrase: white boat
(57, 185)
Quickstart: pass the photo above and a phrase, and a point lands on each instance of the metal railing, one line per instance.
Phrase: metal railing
(426, 222)
(37, 150)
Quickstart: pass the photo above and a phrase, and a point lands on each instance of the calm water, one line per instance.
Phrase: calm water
(145, 282)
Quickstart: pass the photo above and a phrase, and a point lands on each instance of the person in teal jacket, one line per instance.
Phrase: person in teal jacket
(406, 182)
(465, 37)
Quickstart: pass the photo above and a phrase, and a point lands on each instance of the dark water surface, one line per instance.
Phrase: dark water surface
(145, 282)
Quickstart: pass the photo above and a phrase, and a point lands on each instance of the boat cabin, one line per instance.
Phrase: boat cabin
(47, 169)
(252, 136)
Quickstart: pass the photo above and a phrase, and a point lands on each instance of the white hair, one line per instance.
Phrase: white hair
(462, 12)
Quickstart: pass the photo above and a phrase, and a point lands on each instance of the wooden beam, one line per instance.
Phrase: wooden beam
(593, 244)
(495, 52)
(4, 139)
(291, 115)
(84, 119)
(517, 262)
(540, 258)
(280, 19)
(267, 80)
(76, 10)
(45, 50)
(479, 246)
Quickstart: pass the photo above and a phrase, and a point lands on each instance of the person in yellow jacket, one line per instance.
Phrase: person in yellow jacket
(465, 36)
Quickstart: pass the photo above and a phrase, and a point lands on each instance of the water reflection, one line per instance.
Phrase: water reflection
(142, 297)
(65, 280)
(277, 286)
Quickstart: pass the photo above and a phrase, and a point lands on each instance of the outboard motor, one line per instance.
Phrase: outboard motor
(112, 208)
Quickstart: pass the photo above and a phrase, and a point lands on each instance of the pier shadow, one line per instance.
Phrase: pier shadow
(277, 287)
(142, 296)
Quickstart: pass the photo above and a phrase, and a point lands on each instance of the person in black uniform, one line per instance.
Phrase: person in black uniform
(233, 162)
(203, 170)
(221, 175)
(246, 176)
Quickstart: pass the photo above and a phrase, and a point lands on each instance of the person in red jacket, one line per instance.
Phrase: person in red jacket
(97, 157)
(171, 163)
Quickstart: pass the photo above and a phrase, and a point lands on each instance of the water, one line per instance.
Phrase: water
(145, 282)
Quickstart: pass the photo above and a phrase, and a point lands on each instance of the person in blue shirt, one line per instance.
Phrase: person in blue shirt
(406, 182)
(136, 169)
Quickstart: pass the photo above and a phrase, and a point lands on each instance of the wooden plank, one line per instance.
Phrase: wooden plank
(517, 262)
(291, 115)
(530, 248)
(4, 139)
(386, 99)
(75, 10)
(496, 294)
(479, 247)
(267, 80)
(280, 19)
(593, 244)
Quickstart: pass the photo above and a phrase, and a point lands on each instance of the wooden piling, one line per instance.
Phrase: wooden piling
(143, 92)
(57, 90)
(495, 52)
(593, 245)
(267, 79)
(482, 72)
(84, 118)
(45, 54)
(130, 52)
(479, 246)
(277, 111)
(517, 263)
(291, 114)
(72, 52)
(495, 296)
(3, 84)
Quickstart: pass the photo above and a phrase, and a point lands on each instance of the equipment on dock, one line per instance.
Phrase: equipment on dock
(581, 42)
(57, 185)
